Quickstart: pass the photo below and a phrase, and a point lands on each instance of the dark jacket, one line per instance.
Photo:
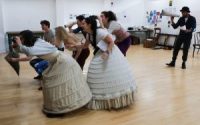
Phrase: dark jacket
(190, 24)
(79, 29)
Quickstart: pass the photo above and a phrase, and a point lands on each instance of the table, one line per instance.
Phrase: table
(139, 33)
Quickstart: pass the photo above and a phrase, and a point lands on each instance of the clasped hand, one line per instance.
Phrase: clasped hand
(104, 55)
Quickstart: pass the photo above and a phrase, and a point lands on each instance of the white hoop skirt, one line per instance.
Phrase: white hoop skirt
(111, 81)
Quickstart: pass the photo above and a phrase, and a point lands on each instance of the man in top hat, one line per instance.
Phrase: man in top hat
(187, 25)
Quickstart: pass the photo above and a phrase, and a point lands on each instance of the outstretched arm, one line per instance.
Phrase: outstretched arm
(175, 25)
(69, 26)
(20, 59)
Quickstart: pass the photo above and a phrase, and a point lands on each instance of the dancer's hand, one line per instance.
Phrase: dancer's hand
(18, 40)
(172, 19)
(104, 55)
(14, 45)
(188, 30)
(12, 59)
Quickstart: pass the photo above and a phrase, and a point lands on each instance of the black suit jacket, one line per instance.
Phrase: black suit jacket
(190, 24)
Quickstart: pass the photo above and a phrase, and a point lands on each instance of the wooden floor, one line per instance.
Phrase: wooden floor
(165, 96)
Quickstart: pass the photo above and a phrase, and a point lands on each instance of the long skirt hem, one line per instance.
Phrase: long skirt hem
(116, 103)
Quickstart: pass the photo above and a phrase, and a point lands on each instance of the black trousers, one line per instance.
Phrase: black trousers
(61, 49)
(82, 57)
(186, 41)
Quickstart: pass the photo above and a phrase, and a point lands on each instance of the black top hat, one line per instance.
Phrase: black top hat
(185, 9)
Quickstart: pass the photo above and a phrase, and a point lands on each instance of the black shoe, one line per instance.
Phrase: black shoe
(49, 115)
(39, 77)
(40, 88)
(171, 64)
(54, 115)
(183, 65)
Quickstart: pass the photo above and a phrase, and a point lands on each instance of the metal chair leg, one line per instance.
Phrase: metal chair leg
(193, 51)
(198, 50)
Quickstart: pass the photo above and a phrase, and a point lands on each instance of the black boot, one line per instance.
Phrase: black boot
(50, 115)
(183, 65)
(171, 64)
(54, 115)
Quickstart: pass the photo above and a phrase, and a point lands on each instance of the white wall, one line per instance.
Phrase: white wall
(2, 36)
(158, 5)
(135, 11)
(27, 14)
(177, 5)
(129, 12)
(60, 7)
(194, 8)
(17, 15)
(77, 7)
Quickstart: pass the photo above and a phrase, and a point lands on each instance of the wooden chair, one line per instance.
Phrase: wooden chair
(196, 44)
(152, 41)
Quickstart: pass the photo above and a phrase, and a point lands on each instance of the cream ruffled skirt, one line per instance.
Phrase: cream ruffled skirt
(111, 81)
(64, 86)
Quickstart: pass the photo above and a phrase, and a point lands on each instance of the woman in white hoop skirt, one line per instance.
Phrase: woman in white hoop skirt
(109, 75)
